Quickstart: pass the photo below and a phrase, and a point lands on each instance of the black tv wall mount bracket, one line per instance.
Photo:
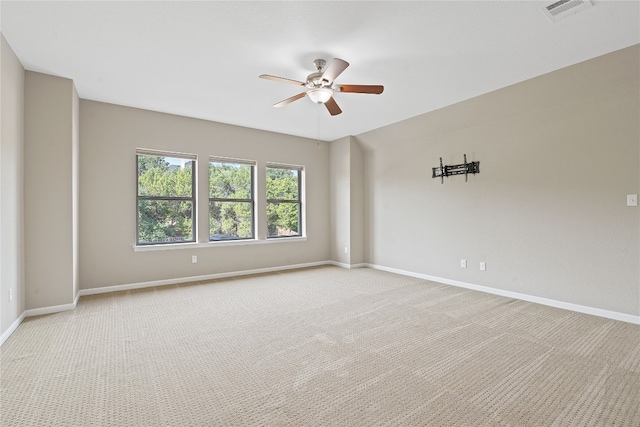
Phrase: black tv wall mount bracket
(463, 168)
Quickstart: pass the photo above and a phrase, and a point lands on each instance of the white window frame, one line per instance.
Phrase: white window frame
(299, 201)
(193, 199)
(252, 200)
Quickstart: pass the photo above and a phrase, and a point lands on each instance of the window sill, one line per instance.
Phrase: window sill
(179, 246)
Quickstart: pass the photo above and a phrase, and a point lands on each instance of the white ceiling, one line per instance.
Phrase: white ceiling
(203, 59)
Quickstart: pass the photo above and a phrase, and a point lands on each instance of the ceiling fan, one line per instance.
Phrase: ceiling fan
(320, 85)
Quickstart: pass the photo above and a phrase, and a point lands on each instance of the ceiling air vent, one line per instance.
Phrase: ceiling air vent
(564, 8)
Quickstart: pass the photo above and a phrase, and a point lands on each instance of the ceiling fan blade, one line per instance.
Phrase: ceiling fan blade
(281, 79)
(290, 100)
(332, 106)
(374, 89)
(334, 69)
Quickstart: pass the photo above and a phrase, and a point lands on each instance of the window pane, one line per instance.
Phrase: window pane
(230, 220)
(165, 221)
(282, 184)
(282, 219)
(164, 176)
(229, 180)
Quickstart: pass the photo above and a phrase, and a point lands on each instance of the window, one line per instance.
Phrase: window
(231, 203)
(284, 205)
(166, 198)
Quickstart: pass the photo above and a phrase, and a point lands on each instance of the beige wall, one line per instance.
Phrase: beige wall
(547, 212)
(75, 190)
(109, 137)
(356, 211)
(49, 196)
(11, 186)
(347, 201)
(340, 200)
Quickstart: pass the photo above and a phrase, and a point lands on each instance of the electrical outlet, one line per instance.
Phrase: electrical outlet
(10, 294)
(483, 266)
(632, 200)
(463, 263)
(194, 259)
(346, 250)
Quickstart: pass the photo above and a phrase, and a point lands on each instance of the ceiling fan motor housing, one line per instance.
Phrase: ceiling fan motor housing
(315, 80)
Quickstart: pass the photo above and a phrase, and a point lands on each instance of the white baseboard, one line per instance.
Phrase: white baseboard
(345, 265)
(614, 315)
(12, 328)
(141, 285)
(359, 265)
(50, 310)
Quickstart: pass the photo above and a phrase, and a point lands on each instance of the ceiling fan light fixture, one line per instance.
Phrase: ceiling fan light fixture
(320, 95)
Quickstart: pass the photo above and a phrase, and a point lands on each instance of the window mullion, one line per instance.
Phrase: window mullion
(185, 199)
(221, 199)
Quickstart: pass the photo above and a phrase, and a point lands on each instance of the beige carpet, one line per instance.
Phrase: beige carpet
(319, 347)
